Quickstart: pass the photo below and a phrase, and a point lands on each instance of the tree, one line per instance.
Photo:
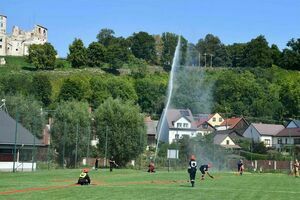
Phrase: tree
(236, 53)
(170, 41)
(291, 55)
(275, 54)
(42, 89)
(74, 88)
(151, 94)
(106, 37)
(143, 46)
(257, 53)
(29, 112)
(42, 56)
(96, 55)
(71, 125)
(77, 54)
(213, 50)
(120, 129)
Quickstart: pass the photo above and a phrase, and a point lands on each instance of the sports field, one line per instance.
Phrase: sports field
(133, 184)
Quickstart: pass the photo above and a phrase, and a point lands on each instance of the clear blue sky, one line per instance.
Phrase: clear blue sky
(231, 20)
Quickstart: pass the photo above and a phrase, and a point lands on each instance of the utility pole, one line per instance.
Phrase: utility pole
(205, 59)
(199, 59)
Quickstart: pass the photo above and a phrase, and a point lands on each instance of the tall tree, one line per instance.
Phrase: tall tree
(291, 55)
(120, 129)
(236, 53)
(42, 89)
(42, 56)
(213, 52)
(96, 53)
(70, 131)
(257, 53)
(76, 88)
(77, 54)
(143, 46)
(106, 37)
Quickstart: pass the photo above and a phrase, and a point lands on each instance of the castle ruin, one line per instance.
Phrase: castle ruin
(17, 44)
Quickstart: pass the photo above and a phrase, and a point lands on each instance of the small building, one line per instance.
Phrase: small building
(287, 137)
(15, 138)
(263, 133)
(226, 140)
(151, 131)
(236, 123)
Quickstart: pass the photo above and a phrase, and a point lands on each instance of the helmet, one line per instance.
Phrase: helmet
(193, 157)
(85, 170)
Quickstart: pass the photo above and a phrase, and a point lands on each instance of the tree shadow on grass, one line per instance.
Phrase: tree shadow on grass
(29, 68)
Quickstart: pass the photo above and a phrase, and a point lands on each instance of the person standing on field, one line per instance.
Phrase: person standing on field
(112, 164)
(240, 167)
(192, 169)
(296, 168)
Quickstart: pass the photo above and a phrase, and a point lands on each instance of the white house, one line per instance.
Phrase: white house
(177, 123)
(286, 137)
(263, 133)
(17, 43)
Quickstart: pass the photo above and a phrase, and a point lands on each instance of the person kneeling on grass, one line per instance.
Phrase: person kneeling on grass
(84, 178)
(151, 167)
(204, 170)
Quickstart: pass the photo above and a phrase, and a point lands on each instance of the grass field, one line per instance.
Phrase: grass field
(132, 184)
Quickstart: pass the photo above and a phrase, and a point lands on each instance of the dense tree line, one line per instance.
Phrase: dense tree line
(110, 52)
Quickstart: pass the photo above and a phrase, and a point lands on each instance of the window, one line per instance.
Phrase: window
(279, 141)
(1, 24)
(214, 119)
(285, 140)
(17, 49)
(185, 125)
(0, 39)
(227, 142)
(179, 125)
(267, 141)
(296, 140)
(205, 126)
(0, 46)
(220, 119)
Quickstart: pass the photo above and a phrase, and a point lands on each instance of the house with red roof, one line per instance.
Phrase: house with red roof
(236, 123)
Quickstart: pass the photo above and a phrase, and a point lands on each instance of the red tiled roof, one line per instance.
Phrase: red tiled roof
(289, 132)
(231, 122)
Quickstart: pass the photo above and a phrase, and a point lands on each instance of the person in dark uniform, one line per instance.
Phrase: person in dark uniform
(192, 169)
(84, 178)
(151, 167)
(97, 163)
(204, 170)
(112, 163)
(240, 165)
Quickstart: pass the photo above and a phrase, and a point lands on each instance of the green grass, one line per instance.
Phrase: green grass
(131, 184)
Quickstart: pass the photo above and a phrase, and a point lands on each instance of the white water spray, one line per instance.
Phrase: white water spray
(175, 63)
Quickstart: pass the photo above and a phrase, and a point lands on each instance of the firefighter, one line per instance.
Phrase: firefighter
(204, 170)
(151, 167)
(296, 168)
(192, 169)
(240, 165)
(84, 178)
(112, 164)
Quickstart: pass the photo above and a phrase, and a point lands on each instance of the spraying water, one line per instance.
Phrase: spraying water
(175, 63)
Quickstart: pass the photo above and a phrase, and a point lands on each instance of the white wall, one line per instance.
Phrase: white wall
(181, 122)
(251, 132)
(225, 141)
(263, 138)
(8, 166)
(180, 133)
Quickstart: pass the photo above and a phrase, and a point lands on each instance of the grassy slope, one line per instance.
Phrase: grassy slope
(130, 184)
